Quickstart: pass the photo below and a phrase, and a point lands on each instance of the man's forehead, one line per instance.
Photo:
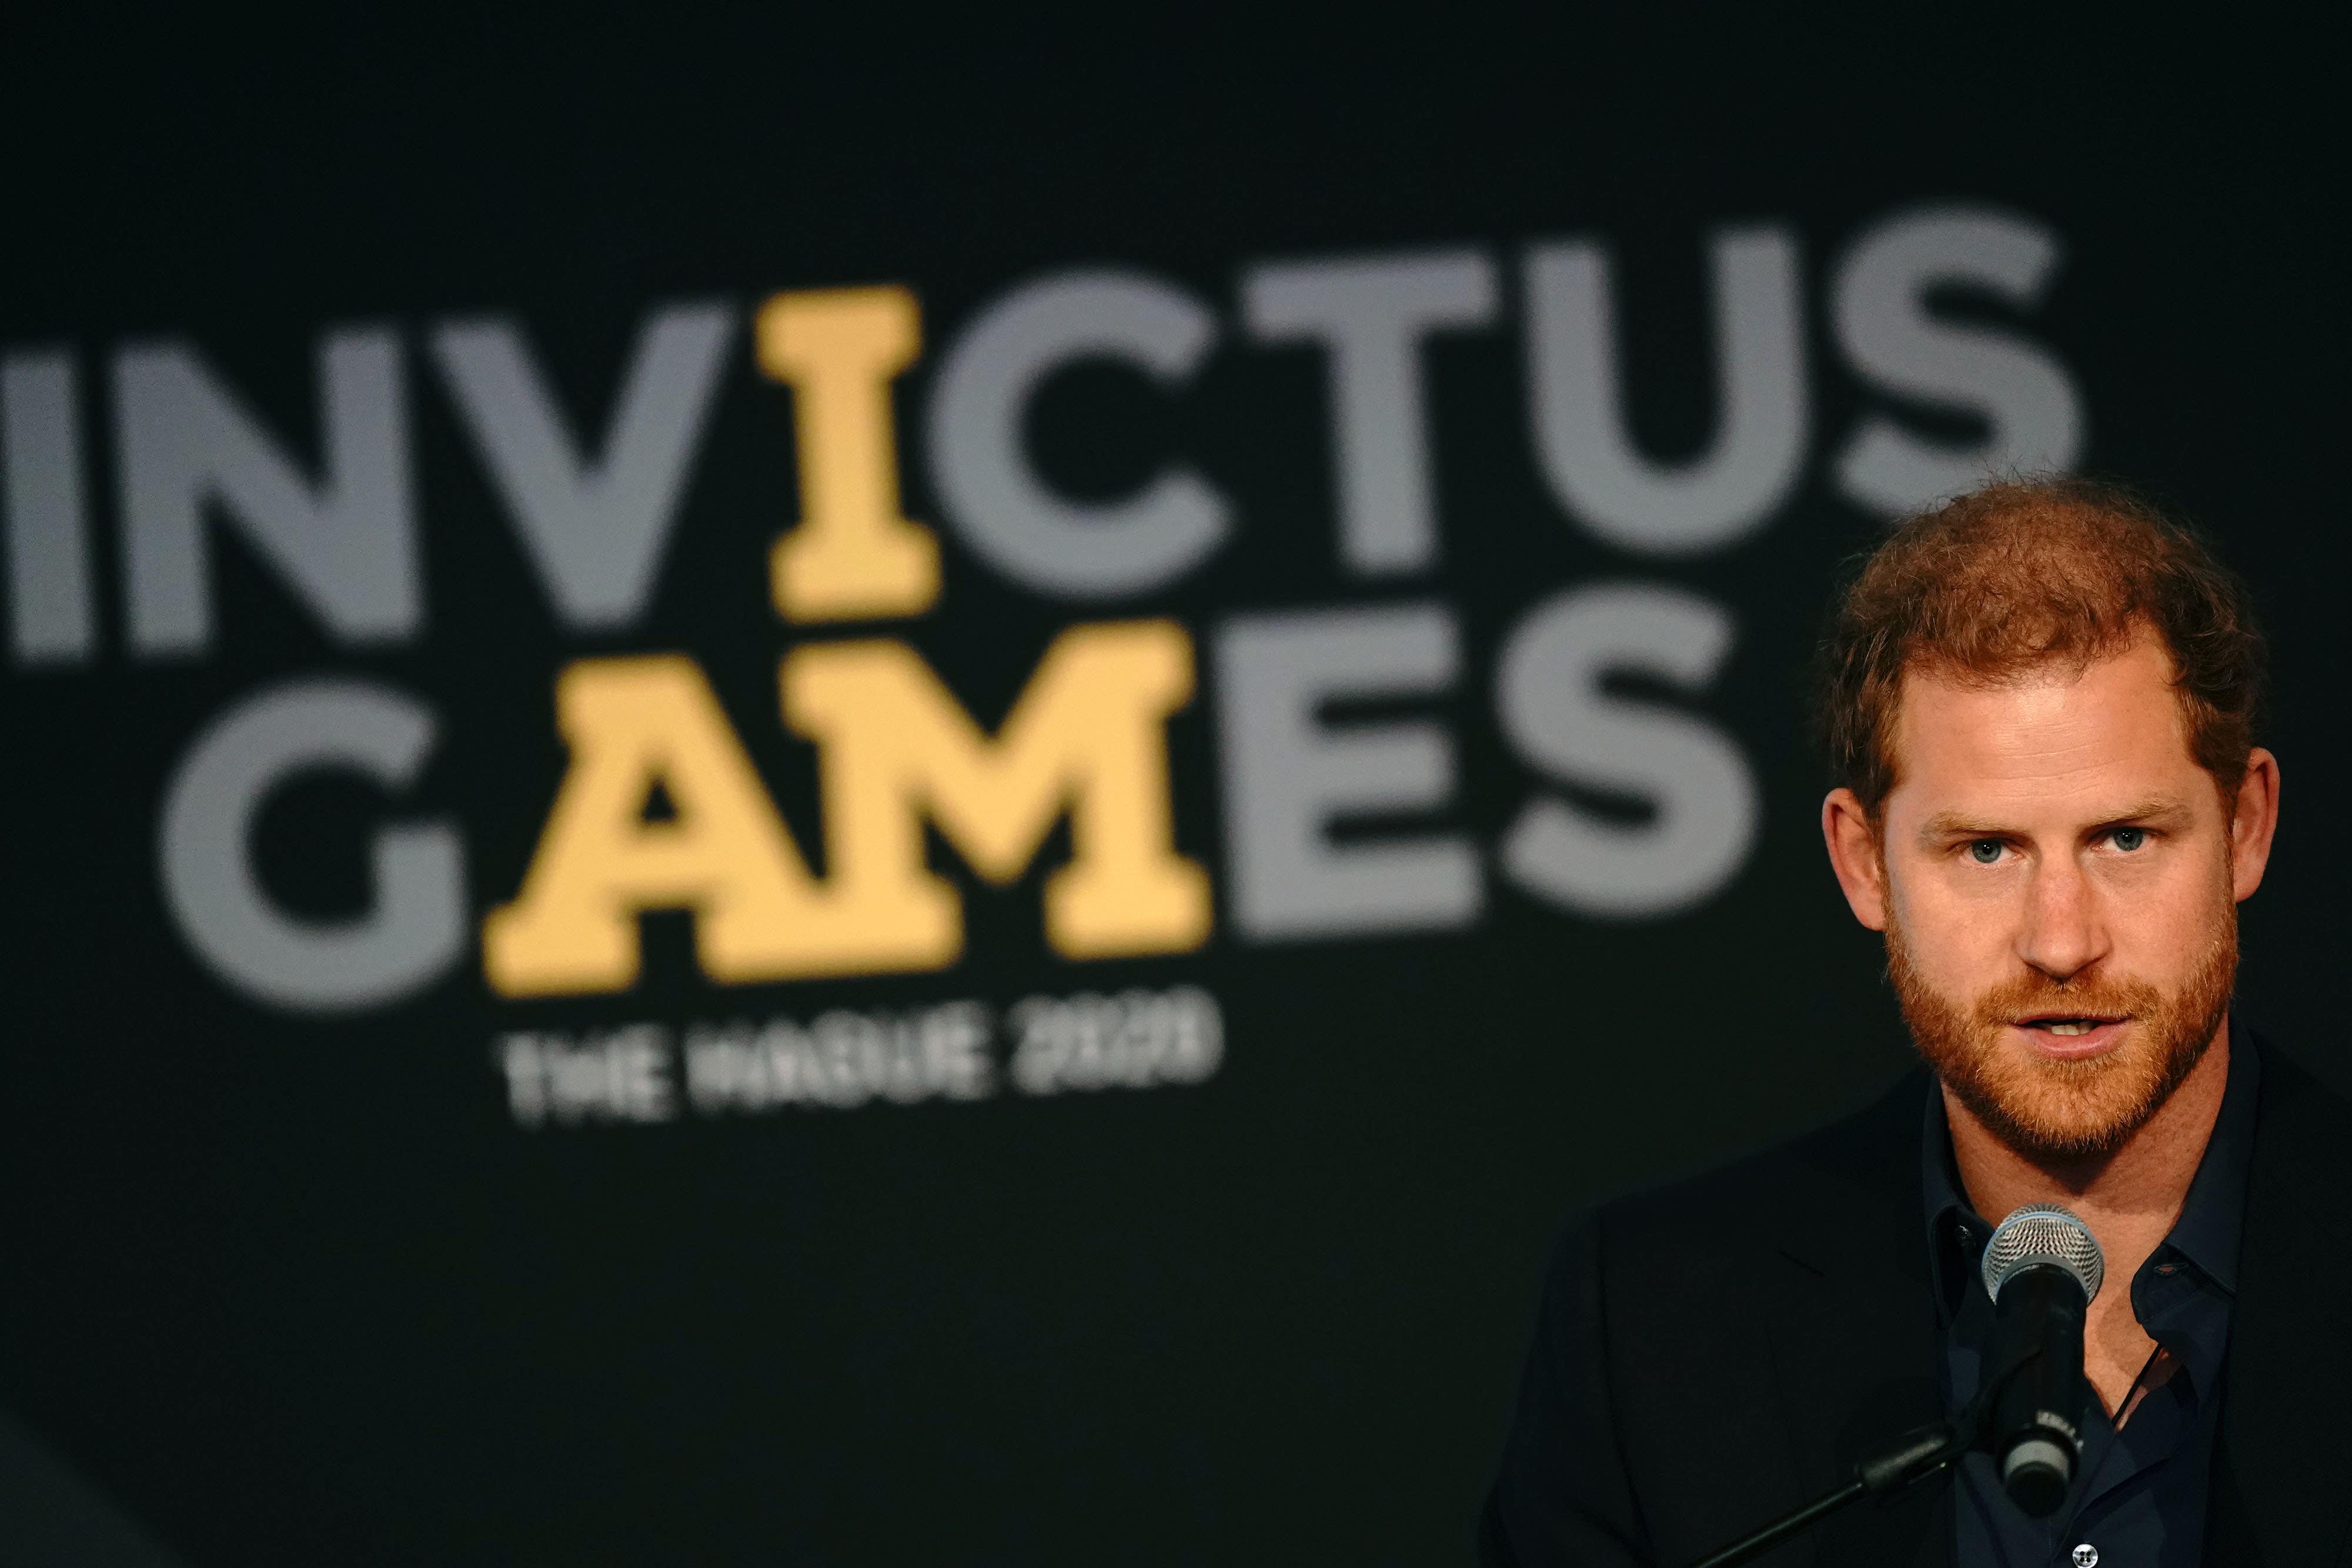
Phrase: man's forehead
(2098, 741)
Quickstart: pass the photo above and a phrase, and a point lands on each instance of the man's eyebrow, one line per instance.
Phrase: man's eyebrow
(2156, 808)
(1957, 825)
(1961, 825)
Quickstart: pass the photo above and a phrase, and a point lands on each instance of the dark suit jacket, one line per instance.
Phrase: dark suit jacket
(1713, 1354)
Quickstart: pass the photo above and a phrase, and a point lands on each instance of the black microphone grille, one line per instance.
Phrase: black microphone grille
(2046, 1234)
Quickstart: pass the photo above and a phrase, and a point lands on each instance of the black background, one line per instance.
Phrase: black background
(299, 1291)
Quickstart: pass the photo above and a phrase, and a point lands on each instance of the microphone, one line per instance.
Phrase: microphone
(2042, 1270)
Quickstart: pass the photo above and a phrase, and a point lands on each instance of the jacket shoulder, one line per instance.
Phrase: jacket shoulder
(2297, 1102)
(2303, 1138)
(1860, 1174)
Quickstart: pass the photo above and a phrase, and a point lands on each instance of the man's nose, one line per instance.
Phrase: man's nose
(2064, 932)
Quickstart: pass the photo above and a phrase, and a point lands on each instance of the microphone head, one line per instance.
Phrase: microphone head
(2044, 1234)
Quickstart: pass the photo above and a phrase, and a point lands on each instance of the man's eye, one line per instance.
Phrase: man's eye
(1985, 850)
(2128, 838)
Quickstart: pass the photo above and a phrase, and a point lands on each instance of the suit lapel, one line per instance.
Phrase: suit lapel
(1854, 1332)
(2279, 1488)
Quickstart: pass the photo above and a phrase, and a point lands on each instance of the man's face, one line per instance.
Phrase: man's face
(2058, 881)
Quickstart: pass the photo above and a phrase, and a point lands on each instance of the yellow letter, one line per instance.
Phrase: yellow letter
(1085, 738)
(852, 555)
(632, 723)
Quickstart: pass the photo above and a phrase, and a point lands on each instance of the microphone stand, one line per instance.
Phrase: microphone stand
(1909, 1461)
(1914, 1457)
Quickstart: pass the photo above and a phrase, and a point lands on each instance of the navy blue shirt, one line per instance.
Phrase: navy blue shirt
(2140, 1499)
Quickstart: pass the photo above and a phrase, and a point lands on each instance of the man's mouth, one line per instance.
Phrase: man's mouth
(2080, 1031)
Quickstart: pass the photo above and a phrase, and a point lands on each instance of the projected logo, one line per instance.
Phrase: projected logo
(659, 806)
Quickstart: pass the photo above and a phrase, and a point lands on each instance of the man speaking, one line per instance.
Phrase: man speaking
(2039, 701)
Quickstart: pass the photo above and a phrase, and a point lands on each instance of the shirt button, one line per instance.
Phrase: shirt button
(2086, 1556)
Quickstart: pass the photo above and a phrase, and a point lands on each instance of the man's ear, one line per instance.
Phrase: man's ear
(1856, 857)
(2252, 821)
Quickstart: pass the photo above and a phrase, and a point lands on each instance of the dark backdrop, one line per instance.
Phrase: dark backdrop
(295, 1287)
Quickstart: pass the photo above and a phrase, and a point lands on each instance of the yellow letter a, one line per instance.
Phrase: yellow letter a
(1086, 739)
(724, 853)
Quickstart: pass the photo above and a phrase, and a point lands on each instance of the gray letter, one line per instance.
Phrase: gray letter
(594, 528)
(51, 618)
(1547, 689)
(524, 1061)
(1370, 314)
(1581, 440)
(417, 929)
(1039, 540)
(347, 546)
(1880, 300)
(1286, 774)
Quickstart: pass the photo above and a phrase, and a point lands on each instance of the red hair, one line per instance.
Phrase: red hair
(2016, 576)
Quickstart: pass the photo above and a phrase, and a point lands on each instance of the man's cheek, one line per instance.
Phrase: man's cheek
(1976, 956)
(2162, 927)
(1959, 921)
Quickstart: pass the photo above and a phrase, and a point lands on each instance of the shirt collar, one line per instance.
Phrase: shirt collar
(2211, 1217)
(2213, 1214)
(1956, 1236)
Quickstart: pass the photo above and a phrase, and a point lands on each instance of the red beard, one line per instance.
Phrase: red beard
(2060, 1112)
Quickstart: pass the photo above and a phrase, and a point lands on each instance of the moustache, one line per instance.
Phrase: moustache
(2033, 996)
